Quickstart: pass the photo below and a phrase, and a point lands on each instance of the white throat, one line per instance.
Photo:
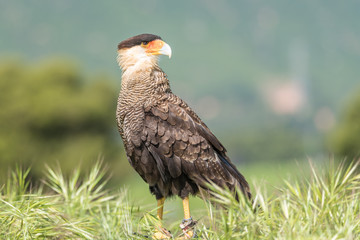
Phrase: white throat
(135, 59)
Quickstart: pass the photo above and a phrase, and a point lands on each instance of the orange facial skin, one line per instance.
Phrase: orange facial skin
(153, 47)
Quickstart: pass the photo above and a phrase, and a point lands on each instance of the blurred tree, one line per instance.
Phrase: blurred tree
(51, 112)
(345, 139)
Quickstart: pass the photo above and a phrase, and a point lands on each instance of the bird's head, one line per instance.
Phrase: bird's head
(141, 50)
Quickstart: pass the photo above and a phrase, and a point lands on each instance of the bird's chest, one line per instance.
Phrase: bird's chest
(130, 117)
(138, 92)
(134, 97)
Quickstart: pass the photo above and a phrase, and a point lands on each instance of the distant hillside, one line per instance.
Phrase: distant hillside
(227, 57)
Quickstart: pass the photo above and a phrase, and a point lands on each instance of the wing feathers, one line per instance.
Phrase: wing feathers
(181, 144)
(159, 162)
(174, 166)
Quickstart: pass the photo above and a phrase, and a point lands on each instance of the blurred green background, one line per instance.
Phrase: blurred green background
(276, 81)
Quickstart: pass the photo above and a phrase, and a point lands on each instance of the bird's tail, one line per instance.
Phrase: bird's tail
(242, 183)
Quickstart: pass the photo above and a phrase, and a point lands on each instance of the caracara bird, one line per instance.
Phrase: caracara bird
(165, 141)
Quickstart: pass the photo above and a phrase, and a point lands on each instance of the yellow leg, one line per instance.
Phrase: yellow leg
(187, 229)
(160, 232)
(186, 207)
(160, 204)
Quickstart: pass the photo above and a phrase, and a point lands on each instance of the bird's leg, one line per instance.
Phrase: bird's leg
(160, 205)
(160, 232)
(188, 223)
(186, 207)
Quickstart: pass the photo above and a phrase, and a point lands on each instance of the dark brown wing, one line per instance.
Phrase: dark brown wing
(181, 143)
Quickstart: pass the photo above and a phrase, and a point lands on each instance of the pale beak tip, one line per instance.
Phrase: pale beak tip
(166, 50)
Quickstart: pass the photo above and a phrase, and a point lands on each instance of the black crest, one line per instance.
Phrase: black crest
(137, 40)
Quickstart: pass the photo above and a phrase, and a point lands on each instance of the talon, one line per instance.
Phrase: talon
(187, 226)
(161, 233)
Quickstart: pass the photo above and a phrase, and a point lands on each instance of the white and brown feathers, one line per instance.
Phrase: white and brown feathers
(165, 141)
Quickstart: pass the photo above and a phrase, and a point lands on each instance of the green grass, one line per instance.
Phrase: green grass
(325, 205)
(269, 175)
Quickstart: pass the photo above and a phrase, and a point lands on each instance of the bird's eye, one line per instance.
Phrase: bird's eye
(144, 43)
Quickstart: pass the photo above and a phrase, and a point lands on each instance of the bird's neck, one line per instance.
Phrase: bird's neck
(142, 78)
(134, 60)
(141, 82)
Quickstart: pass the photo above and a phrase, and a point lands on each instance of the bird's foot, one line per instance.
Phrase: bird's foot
(187, 226)
(161, 233)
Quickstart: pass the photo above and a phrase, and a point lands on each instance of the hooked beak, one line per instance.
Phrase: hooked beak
(158, 47)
